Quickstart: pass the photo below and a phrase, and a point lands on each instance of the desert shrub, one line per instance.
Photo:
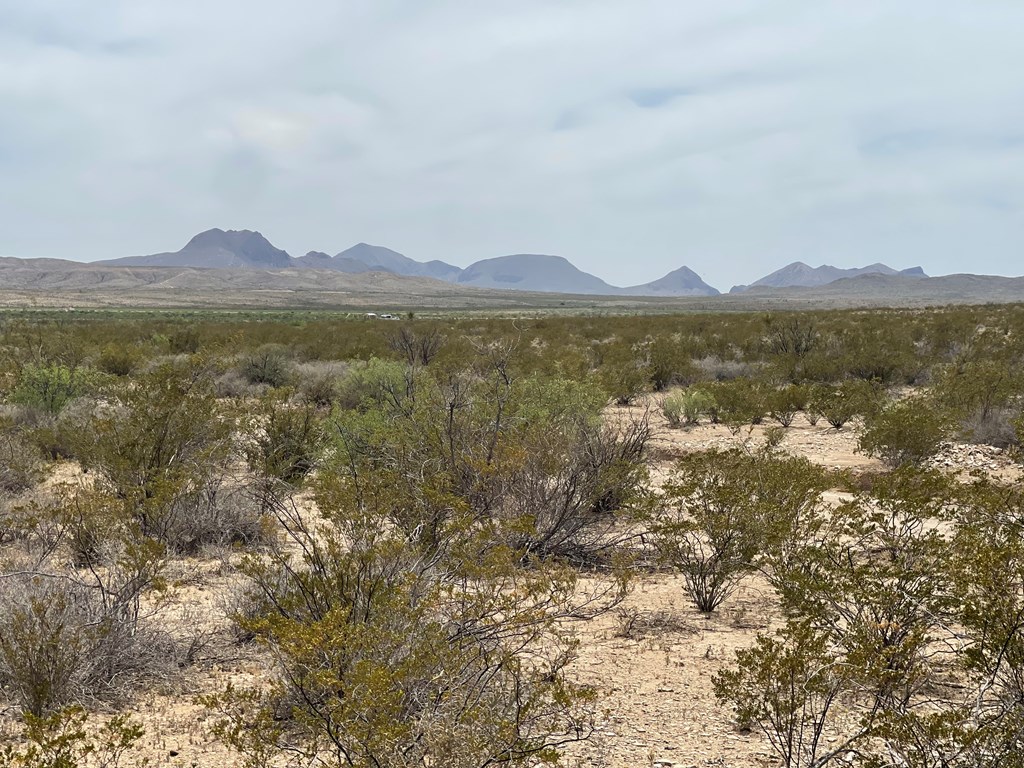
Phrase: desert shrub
(232, 385)
(183, 341)
(284, 440)
(57, 436)
(61, 739)
(686, 408)
(49, 388)
(369, 384)
(529, 456)
(783, 404)
(977, 388)
(117, 359)
(727, 512)
(866, 601)
(267, 365)
(318, 383)
(63, 641)
(992, 426)
(162, 452)
(427, 596)
(623, 377)
(416, 348)
(578, 508)
(839, 405)
(794, 334)
(738, 403)
(669, 363)
(20, 462)
(905, 432)
(714, 368)
(790, 687)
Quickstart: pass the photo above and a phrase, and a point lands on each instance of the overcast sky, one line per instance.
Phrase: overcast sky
(630, 136)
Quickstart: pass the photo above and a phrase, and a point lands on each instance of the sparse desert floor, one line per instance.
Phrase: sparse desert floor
(651, 659)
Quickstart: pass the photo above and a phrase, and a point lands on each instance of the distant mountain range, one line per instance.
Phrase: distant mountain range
(244, 249)
(800, 275)
(249, 250)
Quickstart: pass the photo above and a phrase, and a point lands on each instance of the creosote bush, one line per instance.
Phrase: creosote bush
(727, 513)
(906, 432)
(62, 739)
(423, 619)
(49, 388)
(903, 632)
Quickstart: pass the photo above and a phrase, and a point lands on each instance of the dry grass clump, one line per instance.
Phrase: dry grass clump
(635, 623)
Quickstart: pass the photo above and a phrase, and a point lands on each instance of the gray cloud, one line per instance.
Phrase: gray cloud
(629, 137)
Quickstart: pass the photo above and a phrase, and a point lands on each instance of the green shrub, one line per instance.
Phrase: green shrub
(284, 441)
(268, 366)
(783, 404)
(117, 360)
(20, 462)
(624, 379)
(49, 388)
(729, 512)
(669, 363)
(374, 382)
(60, 739)
(738, 403)
(64, 641)
(906, 432)
(687, 407)
(839, 405)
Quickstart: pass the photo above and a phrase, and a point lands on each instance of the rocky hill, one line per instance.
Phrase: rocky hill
(216, 249)
(680, 282)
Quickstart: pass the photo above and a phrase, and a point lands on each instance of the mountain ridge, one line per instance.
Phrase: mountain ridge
(249, 249)
(800, 275)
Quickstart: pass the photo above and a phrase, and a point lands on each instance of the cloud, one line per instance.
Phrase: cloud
(632, 138)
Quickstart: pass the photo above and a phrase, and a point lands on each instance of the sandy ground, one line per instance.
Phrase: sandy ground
(656, 708)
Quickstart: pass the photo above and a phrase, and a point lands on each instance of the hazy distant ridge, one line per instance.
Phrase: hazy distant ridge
(800, 275)
(245, 249)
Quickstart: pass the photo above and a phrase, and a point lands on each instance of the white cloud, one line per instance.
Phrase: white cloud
(630, 137)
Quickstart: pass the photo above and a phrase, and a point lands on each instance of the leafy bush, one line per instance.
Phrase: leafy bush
(905, 432)
(528, 457)
(784, 403)
(49, 388)
(267, 365)
(738, 403)
(714, 368)
(839, 405)
(319, 383)
(162, 453)
(371, 383)
(867, 601)
(117, 360)
(284, 441)
(435, 599)
(624, 379)
(416, 348)
(993, 426)
(728, 511)
(669, 363)
(60, 740)
(20, 465)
